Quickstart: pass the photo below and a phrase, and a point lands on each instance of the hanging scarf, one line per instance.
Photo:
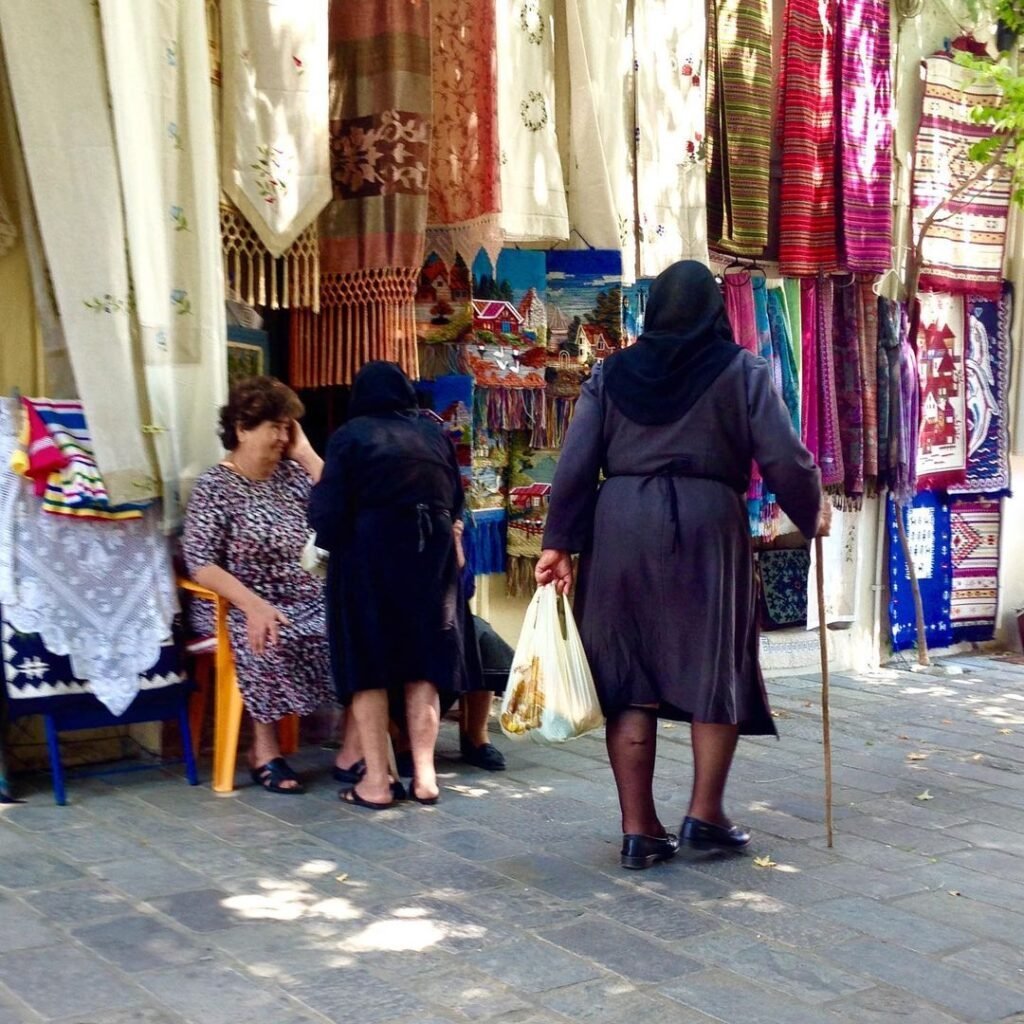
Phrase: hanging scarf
(904, 473)
(865, 129)
(926, 521)
(782, 350)
(987, 365)
(764, 512)
(739, 116)
(809, 425)
(942, 442)
(963, 250)
(867, 337)
(82, 228)
(830, 438)
(670, 179)
(849, 384)
(807, 203)
(465, 189)
(602, 204)
(888, 377)
(533, 204)
(372, 232)
(157, 65)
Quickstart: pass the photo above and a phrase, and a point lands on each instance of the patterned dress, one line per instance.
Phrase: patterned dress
(256, 530)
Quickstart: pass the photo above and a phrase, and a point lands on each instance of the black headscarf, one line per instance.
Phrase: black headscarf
(381, 387)
(686, 344)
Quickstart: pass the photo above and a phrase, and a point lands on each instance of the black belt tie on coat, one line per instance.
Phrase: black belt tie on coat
(425, 523)
(683, 467)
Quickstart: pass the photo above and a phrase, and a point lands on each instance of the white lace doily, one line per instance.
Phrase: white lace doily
(100, 592)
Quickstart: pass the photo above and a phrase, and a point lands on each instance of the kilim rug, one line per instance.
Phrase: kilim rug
(926, 520)
(942, 440)
(372, 231)
(987, 369)
(963, 249)
(974, 528)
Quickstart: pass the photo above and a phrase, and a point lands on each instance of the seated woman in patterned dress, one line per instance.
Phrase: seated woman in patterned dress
(245, 529)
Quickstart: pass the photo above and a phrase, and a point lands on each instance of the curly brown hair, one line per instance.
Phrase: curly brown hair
(253, 401)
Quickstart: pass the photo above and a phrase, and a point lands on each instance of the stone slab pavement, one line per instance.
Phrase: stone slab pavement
(145, 901)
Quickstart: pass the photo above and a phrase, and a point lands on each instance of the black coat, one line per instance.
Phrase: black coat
(384, 510)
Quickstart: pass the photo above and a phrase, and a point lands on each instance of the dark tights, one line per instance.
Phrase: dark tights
(632, 738)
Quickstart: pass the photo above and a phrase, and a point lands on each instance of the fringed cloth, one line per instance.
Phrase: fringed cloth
(962, 252)
(926, 521)
(904, 475)
(849, 384)
(987, 369)
(867, 337)
(465, 189)
(807, 202)
(974, 538)
(942, 442)
(782, 350)
(739, 115)
(819, 408)
(372, 232)
(865, 128)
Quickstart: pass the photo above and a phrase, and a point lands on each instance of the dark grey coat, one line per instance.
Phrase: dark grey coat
(666, 595)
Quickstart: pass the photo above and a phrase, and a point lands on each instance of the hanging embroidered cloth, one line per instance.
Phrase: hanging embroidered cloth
(809, 428)
(157, 60)
(867, 337)
(974, 538)
(82, 228)
(465, 189)
(825, 397)
(962, 252)
(927, 524)
(849, 384)
(841, 563)
(987, 372)
(807, 203)
(533, 202)
(670, 188)
(275, 143)
(602, 204)
(372, 232)
(739, 117)
(942, 442)
(865, 133)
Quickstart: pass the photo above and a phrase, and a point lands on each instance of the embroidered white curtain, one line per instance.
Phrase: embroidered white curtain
(533, 203)
(275, 133)
(55, 66)
(602, 204)
(157, 58)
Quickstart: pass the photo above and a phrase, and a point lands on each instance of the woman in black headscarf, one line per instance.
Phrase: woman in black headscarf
(384, 509)
(666, 600)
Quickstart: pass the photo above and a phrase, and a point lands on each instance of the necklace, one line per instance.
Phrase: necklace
(248, 474)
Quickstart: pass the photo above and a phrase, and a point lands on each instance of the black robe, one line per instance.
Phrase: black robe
(384, 510)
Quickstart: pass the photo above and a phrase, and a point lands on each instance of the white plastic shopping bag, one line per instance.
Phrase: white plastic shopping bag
(550, 695)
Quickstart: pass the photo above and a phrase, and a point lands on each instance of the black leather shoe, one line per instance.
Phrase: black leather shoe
(639, 852)
(486, 756)
(702, 835)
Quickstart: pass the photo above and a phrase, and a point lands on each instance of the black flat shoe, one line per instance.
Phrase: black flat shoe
(639, 852)
(350, 775)
(702, 835)
(486, 756)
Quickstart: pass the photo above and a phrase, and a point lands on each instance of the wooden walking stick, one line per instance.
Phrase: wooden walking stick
(826, 734)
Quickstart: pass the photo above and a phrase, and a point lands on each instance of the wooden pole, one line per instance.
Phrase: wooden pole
(826, 733)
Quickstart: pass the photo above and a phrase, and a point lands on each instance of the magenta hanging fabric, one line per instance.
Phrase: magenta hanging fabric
(809, 366)
(830, 451)
(865, 134)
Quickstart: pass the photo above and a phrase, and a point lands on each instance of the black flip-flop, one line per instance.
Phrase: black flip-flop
(273, 773)
(350, 796)
(427, 801)
(350, 775)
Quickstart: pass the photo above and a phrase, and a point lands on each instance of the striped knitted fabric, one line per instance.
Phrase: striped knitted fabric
(738, 125)
(807, 211)
(865, 134)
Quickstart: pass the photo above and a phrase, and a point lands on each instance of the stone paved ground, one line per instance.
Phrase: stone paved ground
(147, 902)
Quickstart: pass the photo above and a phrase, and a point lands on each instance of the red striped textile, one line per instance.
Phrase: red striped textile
(807, 213)
(865, 132)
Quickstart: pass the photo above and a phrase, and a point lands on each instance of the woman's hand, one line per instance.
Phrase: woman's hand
(825, 517)
(262, 622)
(299, 446)
(555, 567)
(458, 529)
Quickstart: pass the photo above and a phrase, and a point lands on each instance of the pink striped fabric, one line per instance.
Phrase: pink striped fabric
(865, 134)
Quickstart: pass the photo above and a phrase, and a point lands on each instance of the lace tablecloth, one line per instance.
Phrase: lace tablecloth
(101, 593)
